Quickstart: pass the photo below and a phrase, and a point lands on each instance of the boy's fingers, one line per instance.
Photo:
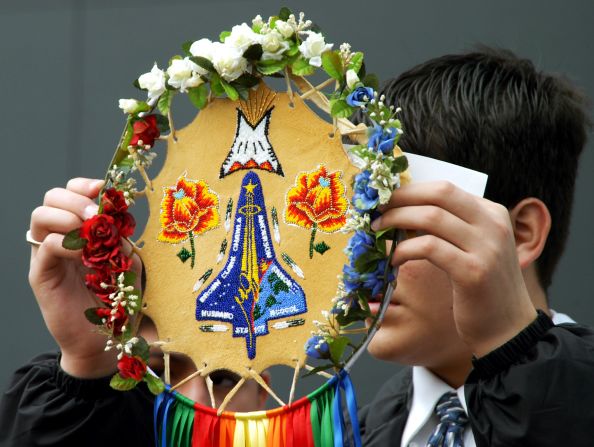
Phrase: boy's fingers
(428, 219)
(64, 199)
(437, 251)
(46, 220)
(51, 252)
(442, 194)
(85, 186)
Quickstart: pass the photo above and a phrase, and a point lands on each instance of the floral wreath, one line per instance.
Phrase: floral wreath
(283, 46)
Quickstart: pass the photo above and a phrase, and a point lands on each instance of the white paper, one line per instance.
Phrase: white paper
(425, 169)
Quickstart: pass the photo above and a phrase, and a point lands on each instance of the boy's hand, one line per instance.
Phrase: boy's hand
(56, 276)
(472, 240)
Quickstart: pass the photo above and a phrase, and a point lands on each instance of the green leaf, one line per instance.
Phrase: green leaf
(340, 109)
(362, 71)
(129, 278)
(284, 13)
(386, 234)
(162, 123)
(230, 90)
(215, 85)
(123, 149)
(337, 347)
(154, 384)
(199, 97)
(332, 64)
(367, 262)
(318, 369)
(293, 49)
(164, 102)
(247, 80)
(270, 66)
(371, 80)
(301, 67)
(184, 254)
(401, 163)
(354, 314)
(92, 317)
(204, 63)
(380, 245)
(321, 247)
(73, 241)
(254, 52)
(117, 382)
(356, 62)
(141, 349)
(186, 47)
(224, 35)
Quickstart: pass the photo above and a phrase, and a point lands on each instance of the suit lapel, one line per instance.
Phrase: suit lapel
(384, 419)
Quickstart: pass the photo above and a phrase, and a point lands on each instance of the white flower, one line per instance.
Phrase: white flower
(313, 47)
(242, 37)
(345, 49)
(356, 221)
(383, 180)
(128, 105)
(228, 61)
(183, 74)
(153, 81)
(257, 21)
(273, 46)
(284, 28)
(202, 48)
(351, 78)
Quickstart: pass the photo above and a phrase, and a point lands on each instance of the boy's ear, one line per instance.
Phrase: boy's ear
(531, 221)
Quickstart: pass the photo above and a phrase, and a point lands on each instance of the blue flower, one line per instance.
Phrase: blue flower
(360, 243)
(365, 197)
(383, 140)
(351, 278)
(374, 281)
(345, 304)
(360, 96)
(317, 347)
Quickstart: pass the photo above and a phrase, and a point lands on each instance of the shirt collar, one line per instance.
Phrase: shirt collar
(427, 389)
(559, 318)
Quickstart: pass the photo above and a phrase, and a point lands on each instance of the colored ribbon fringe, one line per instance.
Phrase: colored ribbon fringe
(316, 420)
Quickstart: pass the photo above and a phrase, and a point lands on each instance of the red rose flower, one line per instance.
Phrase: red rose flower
(114, 204)
(132, 367)
(100, 231)
(125, 223)
(98, 259)
(94, 280)
(145, 129)
(115, 321)
(119, 262)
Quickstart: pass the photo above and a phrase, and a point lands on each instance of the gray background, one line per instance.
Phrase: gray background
(64, 64)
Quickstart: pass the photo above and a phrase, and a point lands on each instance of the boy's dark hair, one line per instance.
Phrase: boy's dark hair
(490, 111)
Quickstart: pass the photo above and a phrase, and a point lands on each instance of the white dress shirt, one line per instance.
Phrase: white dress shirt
(427, 389)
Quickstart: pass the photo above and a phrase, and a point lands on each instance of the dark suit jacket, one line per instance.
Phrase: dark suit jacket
(536, 390)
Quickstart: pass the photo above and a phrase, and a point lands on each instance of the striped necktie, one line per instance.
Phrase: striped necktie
(452, 420)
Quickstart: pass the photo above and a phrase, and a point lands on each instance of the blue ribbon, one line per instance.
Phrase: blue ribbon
(344, 383)
(161, 412)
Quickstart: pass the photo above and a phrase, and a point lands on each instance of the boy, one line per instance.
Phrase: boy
(464, 314)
